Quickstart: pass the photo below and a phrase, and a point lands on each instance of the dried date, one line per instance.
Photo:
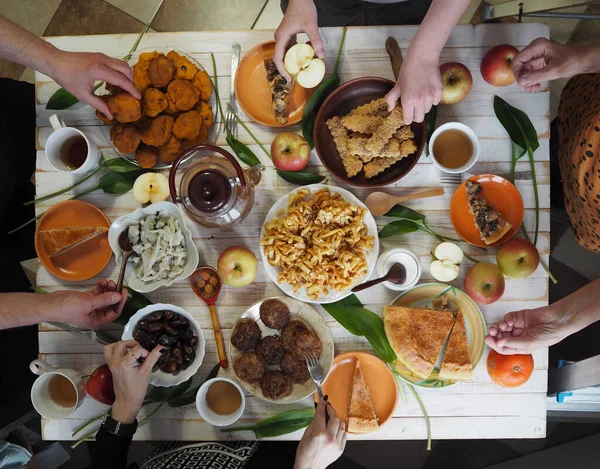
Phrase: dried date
(180, 323)
(155, 316)
(185, 334)
(167, 340)
(168, 315)
(145, 339)
(187, 350)
(170, 366)
(193, 341)
(177, 356)
(170, 330)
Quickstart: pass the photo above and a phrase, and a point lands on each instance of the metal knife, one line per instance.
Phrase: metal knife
(101, 336)
(235, 60)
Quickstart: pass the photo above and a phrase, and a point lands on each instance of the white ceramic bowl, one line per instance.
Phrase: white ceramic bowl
(158, 377)
(211, 417)
(125, 221)
(474, 140)
(334, 295)
(406, 257)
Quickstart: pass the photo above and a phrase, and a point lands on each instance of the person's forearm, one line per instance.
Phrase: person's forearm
(25, 309)
(591, 59)
(436, 28)
(580, 309)
(22, 47)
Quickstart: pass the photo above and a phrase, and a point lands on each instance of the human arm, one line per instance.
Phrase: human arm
(419, 83)
(545, 60)
(529, 330)
(300, 17)
(90, 309)
(74, 71)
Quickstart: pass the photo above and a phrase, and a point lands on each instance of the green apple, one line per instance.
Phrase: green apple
(237, 266)
(518, 258)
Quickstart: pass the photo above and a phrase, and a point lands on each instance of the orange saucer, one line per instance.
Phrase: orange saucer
(254, 94)
(379, 379)
(84, 261)
(500, 194)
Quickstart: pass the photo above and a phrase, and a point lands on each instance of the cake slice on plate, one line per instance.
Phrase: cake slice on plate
(490, 224)
(60, 240)
(361, 415)
(456, 364)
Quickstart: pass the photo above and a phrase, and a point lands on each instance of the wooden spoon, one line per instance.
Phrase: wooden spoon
(206, 283)
(126, 252)
(380, 203)
(396, 275)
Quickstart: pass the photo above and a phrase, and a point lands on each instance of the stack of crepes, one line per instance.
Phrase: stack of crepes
(418, 335)
(371, 139)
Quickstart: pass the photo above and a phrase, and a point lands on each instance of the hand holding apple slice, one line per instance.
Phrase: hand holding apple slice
(304, 66)
(446, 266)
(151, 187)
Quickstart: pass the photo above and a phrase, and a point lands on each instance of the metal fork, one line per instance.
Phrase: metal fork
(316, 372)
(230, 120)
(450, 179)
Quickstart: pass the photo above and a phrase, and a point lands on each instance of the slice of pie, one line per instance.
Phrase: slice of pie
(456, 364)
(417, 336)
(490, 224)
(60, 240)
(280, 91)
(361, 415)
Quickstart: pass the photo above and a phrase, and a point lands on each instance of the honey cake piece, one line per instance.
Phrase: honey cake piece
(362, 123)
(377, 107)
(490, 224)
(378, 165)
(456, 363)
(352, 164)
(404, 133)
(357, 146)
(59, 240)
(361, 415)
(280, 91)
(385, 131)
(417, 336)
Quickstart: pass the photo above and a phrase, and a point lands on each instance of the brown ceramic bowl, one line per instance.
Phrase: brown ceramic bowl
(343, 100)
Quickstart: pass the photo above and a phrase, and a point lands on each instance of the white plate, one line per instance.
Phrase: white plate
(125, 221)
(159, 377)
(334, 295)
(314, 321)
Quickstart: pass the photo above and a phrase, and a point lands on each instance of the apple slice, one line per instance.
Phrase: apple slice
(312, 75)
(302, 64)
(450, 252)
(151, 187)
(445, 267)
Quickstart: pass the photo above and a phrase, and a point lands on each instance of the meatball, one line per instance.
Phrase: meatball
(249, 367)
(158, 131)
(275, 384)
(125, 137)
(146, 156)
(307, 343)
(246, 335)
(170, 150)
(183, 94)
(270, 350)
(187, 125)
(288, 335)
(295, 368)
(124, 107)
(161, 71)
(274, 314)
(154, 102)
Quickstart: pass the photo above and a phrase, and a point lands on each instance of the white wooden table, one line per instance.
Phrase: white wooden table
(477, 409)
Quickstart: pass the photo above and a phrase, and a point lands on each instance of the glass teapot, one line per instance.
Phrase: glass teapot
(214, 190)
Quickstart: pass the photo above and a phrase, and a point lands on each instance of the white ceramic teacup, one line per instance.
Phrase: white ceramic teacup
(59, 137)
(40, 397)
(474, 140)
(212, 417)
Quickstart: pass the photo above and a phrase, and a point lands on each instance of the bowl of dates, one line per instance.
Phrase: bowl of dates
(180, 335)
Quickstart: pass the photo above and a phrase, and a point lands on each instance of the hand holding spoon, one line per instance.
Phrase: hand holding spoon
(380, 203)
(206, 283)
(126, 252)
(396, 275)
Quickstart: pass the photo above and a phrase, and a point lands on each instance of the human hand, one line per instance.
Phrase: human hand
(321, 444)
(522, 332)
(78, 71)
(545, 60)
(300, 17)
(130, 379)
(91, 309)
(419, 86)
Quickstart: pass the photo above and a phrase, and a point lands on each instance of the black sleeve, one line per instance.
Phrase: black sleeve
(111, 451)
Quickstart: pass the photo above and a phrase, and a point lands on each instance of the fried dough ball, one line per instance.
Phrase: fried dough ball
(200, 139)
(274, 314)
(158, 131)
(162, 71)
(184, 69)
(246, 335)
(202, 82)
(154, 102)
(149, 56)
(183, 94)
(146, 156)
(125, 137)
(307, 343)
(206, 112)
(171, 109)
(289, 333)
(187, 125)
(124, 107)
(141, 77)
(170, 150)
(275, 385)
(270, 350)
(102, 117)
(295, 368)
(249, 367)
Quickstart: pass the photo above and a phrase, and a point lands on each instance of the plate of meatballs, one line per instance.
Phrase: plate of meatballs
(268, 346)
(176, 110)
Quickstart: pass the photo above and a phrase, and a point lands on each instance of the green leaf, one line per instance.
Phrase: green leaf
(430, 119)
(398, 228)
(161, 394)
(120, 165)
(300, 178)
(280, 424)
(190, 396)
(242, 151)
(135, 302)
(405, 213)
(517, 124)
(118, 183)
(61, 99)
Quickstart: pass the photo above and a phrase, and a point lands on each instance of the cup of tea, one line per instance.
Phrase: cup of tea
(220, 401)
(69, 150)
(57, 392)
(454, 148)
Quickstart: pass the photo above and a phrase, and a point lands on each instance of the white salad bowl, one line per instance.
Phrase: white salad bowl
(124, 222)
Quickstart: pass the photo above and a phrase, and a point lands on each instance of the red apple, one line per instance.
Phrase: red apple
(518, 258)
(484, 283)
(237, 266)
(100, 385)
(496, 65)
(290, 152)
(457, 81)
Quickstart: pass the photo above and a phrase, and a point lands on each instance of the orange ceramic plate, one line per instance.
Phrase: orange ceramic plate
(254, 94)
(379, 379)
(500, 194)
(86, 260)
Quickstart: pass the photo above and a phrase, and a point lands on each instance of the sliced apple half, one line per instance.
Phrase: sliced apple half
(302, 64)
(445, 267)
(151, 187)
